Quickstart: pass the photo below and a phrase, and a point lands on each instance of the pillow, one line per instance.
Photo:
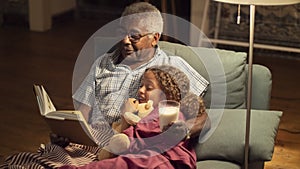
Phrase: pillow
(228, 140)
(224, 69)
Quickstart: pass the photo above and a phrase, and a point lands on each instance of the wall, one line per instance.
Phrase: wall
(41, 12)
(61, 6)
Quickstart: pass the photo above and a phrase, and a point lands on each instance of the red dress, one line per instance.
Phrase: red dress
(150, 148)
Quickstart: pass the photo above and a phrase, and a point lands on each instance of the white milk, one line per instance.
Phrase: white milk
(167, 115)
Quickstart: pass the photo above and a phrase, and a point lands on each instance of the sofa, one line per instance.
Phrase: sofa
(223, 146)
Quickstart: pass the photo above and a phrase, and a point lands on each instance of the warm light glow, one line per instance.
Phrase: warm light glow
(261, 2)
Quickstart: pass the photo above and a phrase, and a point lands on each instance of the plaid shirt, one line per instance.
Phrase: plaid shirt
(108, 85)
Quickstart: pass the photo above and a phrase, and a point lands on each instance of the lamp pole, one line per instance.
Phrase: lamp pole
(249, 88)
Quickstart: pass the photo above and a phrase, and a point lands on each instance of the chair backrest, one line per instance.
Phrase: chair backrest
(235, 70)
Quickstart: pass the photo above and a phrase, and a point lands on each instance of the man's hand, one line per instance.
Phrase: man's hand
(198, 123)
(176, 131)
(85, 110)
(184, 130)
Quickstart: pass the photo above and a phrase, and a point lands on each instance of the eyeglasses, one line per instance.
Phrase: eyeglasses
(133, 37)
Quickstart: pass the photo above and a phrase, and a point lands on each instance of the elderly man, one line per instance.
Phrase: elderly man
(115, 77)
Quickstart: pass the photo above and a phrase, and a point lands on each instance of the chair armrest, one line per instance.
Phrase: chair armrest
(261, 87)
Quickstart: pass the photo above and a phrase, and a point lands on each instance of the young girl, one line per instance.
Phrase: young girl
(149, 146)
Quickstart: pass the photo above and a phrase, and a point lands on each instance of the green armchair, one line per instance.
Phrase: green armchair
(226, 103)
(224, 148)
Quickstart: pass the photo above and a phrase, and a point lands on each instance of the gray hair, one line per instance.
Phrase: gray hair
(147, 16)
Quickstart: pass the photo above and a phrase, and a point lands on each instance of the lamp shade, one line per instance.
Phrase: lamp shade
(261, 2)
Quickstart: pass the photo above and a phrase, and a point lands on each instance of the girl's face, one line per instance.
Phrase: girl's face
(150, 89)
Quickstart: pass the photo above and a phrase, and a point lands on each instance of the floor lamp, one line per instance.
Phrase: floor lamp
(252, 4)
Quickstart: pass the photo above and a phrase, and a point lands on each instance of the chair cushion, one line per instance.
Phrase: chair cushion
(214, 164)
(224, 69)
(228, 140)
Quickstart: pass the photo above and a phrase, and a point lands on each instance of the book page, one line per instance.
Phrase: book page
(63, 114)
(44, 102)
(39, 97)
(48, 105)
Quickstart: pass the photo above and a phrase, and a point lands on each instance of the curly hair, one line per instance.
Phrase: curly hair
(147, 15)
(173, 82)
(176, 85)
(192, 105)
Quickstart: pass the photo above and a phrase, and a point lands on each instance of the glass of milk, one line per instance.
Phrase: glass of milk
(168, 112)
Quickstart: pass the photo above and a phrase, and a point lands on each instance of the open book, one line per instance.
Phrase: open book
(66, 123)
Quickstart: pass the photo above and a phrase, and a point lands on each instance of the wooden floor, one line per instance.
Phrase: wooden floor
(48, 58)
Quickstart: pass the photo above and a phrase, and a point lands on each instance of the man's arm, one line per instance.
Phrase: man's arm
(85, 110)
